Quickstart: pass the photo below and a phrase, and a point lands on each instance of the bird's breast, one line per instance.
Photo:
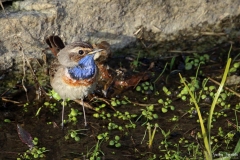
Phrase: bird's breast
(76, 83)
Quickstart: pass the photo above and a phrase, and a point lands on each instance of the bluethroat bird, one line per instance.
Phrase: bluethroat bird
(76, 72)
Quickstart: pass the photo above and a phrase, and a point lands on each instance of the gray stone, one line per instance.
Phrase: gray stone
(26, 24)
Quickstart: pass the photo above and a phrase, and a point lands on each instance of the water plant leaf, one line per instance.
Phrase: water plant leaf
(164, 110)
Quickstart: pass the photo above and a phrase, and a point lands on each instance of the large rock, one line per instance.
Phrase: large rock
(120, 22)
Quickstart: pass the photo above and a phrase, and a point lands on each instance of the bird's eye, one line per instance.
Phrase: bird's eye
(80, 52)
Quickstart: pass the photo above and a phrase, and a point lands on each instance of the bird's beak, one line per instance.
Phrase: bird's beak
(96, 53)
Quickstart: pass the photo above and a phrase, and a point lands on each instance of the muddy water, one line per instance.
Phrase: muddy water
(19, 107)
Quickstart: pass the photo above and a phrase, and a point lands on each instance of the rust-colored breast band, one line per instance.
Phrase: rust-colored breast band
(77, 83)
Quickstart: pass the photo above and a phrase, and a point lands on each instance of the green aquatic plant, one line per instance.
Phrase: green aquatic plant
(116, 102)
(115, 142)
(166, 91)
(25, 107)
(102, 115)
(167, 104)
(54, 95)
(193, 85)
(165, 147)
(6, 120)
(174, 118)
(234, 68)
(33, 153)
(148, 114)
(124, 116)
(51, 106)
(135, 62)
(74, 134)
(100, 107)
(151, 134)
(97, 152)
(194, 61)
(144, 87)
(113, 126)
(206, 134)
(72, 116)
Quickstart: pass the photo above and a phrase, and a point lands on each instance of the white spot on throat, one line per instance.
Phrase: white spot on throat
(68, 75)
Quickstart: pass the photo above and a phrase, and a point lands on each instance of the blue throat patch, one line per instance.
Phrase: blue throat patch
(85, 69)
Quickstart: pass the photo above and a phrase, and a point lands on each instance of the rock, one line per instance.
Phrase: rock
(120, 22)
(233, 80)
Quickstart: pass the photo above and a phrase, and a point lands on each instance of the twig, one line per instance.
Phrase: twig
(237, 94)
(8, 100)
(3, 8)
(5, 92)
(104, 100)
(177, 51)
(137, 31)
(213, 34)
(234, 125)
(143, 105)
(24, 72)
(85, 104)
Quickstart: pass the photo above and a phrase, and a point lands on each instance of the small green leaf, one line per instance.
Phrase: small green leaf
(188, 66)
(123, 102)
(73, 134)
(160, 101)
(111, 143)
(164, 110)
(117, 138)
(155, 116)
(46, 103)
(172, 108)
(145, 88)
(96, 115)
(7, 120)
(231, 70)
(38, 111)
(117, 145)
(113, 103)
(55, 95)
(236, 65)
(77, 138)
(73, 112)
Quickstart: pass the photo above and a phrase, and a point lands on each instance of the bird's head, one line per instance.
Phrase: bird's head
(70, 55)
(86, 67)
(79, 60)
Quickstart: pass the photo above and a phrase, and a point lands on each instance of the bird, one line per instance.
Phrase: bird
(75, 72)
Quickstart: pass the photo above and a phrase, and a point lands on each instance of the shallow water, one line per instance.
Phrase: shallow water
(133, 131)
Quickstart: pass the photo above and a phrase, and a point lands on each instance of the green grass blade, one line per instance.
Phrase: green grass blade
(216, 98)
(207, 152)
(237, 148)
(160, 73)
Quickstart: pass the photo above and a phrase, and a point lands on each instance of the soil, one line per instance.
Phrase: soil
(134, 141)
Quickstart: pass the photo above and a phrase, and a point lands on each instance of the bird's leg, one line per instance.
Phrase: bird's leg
(84, 115)
(63, 103)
